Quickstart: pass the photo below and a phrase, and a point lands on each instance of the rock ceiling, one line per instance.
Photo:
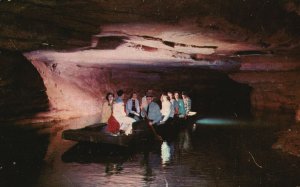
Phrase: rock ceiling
(34, 24)
(255, 42)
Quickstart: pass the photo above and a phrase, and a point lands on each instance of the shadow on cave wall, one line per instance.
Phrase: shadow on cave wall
(213, 93)
(22, 91)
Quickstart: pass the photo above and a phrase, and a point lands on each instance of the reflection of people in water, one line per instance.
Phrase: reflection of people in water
(113, 168)
(148, 169)
(167, 151)
(185, 141)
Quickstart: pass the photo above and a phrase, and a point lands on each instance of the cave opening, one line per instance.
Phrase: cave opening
(215, 94)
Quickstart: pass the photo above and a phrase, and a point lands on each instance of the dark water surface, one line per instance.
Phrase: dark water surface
(235, 153)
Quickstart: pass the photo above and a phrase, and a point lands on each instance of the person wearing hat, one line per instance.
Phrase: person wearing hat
(144, 99)
(151, 111)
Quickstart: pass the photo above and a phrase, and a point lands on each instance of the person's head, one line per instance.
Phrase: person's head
(134, 95)
(164, 97)
(120, 93)
(149, 98)
(176, 95)
(184, 95)
(109, 97)
(170, 94)
(149, 91)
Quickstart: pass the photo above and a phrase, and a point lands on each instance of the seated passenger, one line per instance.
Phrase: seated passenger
(120, 115)
(187, 102)
(166, 109)
(175, 107)
(152, 111)
(181, 109)
(107, 108)
(133, 107)
(144, 99)
(120, 97)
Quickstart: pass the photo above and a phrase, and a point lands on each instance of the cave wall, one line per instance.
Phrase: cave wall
(269, 26)
(275, 80)
(22, 91)
(77, 89)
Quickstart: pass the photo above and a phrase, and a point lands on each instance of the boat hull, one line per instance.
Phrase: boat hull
(96, 134)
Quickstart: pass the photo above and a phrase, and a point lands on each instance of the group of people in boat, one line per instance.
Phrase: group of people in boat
(120, 115)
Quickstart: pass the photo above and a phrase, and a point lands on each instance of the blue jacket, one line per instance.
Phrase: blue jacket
(118, 100)
(129, 106)
(181, 107)
(154, 113)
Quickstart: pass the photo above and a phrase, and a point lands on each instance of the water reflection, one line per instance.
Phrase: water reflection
(185, 140)
(95, 153)
(167, 151)
(218, 121)
(145, 163)
(209, 156)
(113, 168)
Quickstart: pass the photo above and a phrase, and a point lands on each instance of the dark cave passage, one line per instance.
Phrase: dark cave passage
(212, 92)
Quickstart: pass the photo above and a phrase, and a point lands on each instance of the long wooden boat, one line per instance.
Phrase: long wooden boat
(97, 133)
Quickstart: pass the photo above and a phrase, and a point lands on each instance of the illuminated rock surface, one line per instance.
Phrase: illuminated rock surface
(82, 49)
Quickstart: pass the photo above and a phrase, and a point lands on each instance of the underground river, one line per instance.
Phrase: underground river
(218, 151)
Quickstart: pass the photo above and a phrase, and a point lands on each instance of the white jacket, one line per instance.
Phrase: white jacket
(166, 110)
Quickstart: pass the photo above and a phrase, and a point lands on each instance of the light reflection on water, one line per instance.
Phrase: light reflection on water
(218, 121)
(208, 156)
(158, 167)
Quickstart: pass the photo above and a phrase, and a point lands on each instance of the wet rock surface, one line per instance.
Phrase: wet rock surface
(289, 141)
